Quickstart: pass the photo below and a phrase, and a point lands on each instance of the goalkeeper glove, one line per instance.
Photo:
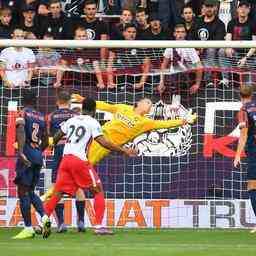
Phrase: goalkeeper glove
(191, 118)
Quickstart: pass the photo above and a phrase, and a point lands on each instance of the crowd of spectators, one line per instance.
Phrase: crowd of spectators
(133, 19)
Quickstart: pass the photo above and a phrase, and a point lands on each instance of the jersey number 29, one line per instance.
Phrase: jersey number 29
(77, 132)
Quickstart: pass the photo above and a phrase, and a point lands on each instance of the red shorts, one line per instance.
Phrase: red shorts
(75, 173)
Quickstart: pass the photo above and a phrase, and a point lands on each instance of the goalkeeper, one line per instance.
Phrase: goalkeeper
(128, 122)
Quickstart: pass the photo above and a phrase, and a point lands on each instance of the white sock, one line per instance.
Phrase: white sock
(29, 228)
(98, 226)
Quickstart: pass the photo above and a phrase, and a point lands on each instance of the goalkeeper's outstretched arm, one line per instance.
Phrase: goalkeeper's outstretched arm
(164, 124)
(101, 105)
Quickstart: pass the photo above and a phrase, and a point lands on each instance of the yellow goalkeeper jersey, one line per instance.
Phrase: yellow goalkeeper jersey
(126, 124)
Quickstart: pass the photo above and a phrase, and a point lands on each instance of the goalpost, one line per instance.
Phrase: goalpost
(183, 177)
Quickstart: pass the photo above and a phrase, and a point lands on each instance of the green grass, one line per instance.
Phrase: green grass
(133, 242)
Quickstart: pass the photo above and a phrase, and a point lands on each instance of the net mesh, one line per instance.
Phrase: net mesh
(185, 163)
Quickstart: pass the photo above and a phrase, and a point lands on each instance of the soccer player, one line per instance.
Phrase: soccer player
(247, 125)
(75, 170)
(128, 122)
(56, 118)
(32, 139)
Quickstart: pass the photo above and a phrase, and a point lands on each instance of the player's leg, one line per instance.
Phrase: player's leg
(99, 208)
(25, 207)
(64, 184)
(251, 183)
(86, 177)
(59, 210)
(80, 204)
(252, 196)
(35, 199)
(23, 180)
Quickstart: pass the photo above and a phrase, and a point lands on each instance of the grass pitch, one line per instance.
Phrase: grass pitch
(133, 242)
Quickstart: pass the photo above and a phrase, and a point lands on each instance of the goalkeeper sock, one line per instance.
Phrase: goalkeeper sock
(99, 207)
(50, 205)
(25, 207)
(252, 195)
(60, 213)
(37, 203)
(80, 210)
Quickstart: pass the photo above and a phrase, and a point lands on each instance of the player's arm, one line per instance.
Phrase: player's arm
(151, 124)
(243, 126)
(101, 105)
(163, 68)
(99, 137)
(57, 136)
(45, 140)
(241, 145)
(113, 147)
(21, 138)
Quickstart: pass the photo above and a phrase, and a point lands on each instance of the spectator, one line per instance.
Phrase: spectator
(29, 22)
(81, 58)
(240, 28)
(14, 7)
(17, 63)
(181, 58)
(209, 27)
(117, 29)
(55, 22)
(47, 59)
(188, 17)
(95, 29)
(40, 6)
(156, 31)
(133, 56)
(142, 22)
(6, 27)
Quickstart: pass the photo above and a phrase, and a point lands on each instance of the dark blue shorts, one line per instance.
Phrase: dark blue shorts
(58, 153)
(28, 176)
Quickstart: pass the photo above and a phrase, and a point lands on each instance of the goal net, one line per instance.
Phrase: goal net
(183, 177)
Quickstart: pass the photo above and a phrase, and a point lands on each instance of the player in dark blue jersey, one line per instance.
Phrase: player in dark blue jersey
(62, 114)
(247, 140)
(32, 139)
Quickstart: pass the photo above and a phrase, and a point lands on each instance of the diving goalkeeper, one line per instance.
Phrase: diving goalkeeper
(128, 122)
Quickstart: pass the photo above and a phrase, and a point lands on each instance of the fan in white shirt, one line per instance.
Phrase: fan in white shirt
(17, 63)
(180, 57)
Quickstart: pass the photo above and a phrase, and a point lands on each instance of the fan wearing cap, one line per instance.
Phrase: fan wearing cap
(155, 31)
(240, 28)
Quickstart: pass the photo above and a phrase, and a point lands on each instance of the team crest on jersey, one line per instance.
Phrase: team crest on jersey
(165, 142)
(90, 34)
(203, 34)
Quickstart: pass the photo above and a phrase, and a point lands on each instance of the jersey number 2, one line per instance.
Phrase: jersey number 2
(35, 130)
(79, 132)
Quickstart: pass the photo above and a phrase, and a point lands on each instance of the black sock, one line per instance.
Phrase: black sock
(252, 195)
(37, 203)
(59, 210)
(25, 207)
(80, 210)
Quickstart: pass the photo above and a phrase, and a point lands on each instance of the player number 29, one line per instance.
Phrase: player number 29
(79, 133)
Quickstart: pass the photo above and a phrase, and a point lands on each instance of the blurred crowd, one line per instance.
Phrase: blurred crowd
(126, 20)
